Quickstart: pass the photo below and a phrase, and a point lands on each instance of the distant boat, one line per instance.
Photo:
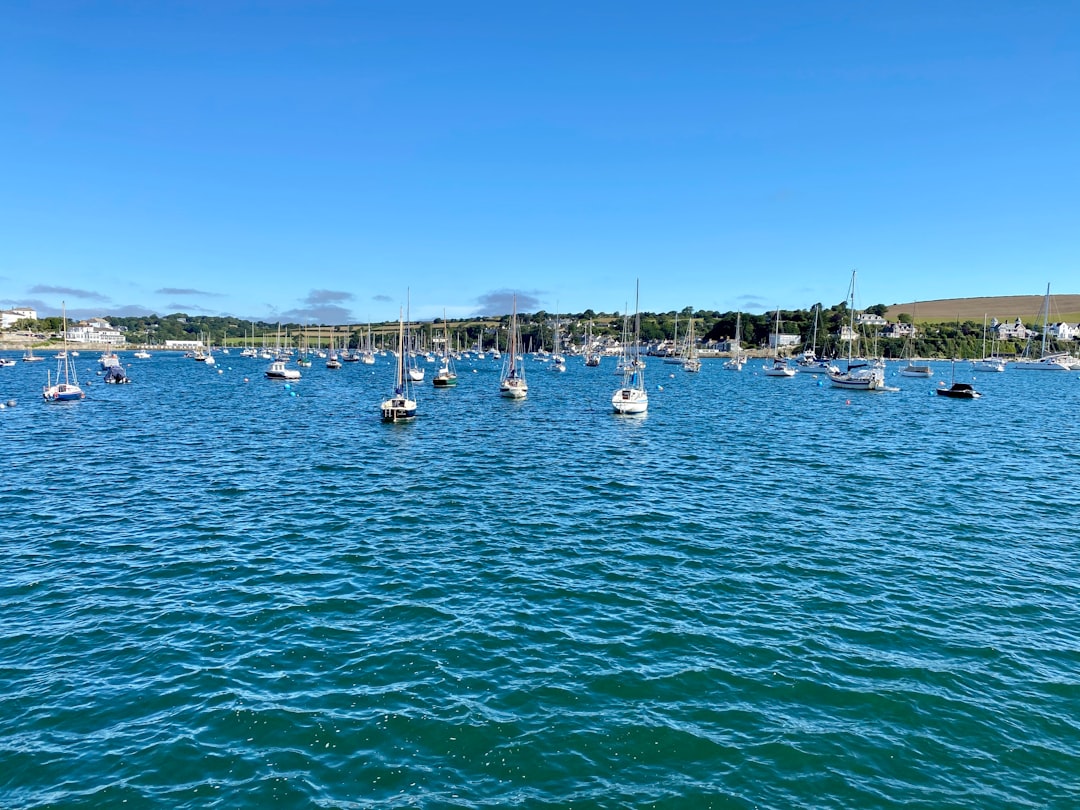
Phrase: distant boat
(913, 369)
(108, 359)
(512, 383)
(66, 388)
(592, 357)
(400, 406)
(988, 362)
(736, 361)
(858, 376)
(28, 355)
(446, 376)
(332, 359)
(809, 362)
(779, 366)
(1056, 361)
(558, 360)
(6, 362)
(278, 371)
(632, 398)
(690, 361)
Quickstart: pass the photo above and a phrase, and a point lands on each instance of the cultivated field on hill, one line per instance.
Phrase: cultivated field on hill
(1005, 308)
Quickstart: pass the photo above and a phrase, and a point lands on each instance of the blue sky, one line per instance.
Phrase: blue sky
(315, 160)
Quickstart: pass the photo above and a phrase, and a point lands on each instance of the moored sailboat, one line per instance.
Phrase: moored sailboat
(861, 376)
(779, 366)
(1054, 361)
(66, 387)
(446, 376)
(512, 383)
(632, 398)
(400, 406)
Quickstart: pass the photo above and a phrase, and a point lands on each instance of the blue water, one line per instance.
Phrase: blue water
(217, 591)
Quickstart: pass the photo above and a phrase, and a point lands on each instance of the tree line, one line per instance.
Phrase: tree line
(958, 339)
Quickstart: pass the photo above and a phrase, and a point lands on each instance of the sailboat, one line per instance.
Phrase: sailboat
(592, 356)
(988, 362)
(809, 362)
(332, 360)
(779, 366)
(28, 355)
(736, 361)
(446, 376)
(400, 406)
(690, 361)
(66, 388)
(911, 369)
(674, 357)
(1057, 361)
(558, 360)
(858, 376)
(512, 381)
(632, 398)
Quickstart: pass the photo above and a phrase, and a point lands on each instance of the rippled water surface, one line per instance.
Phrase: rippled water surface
(218, 591)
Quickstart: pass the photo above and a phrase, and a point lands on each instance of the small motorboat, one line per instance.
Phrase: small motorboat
(959, 391)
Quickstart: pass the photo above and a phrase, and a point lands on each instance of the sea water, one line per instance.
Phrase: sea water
(219, 590)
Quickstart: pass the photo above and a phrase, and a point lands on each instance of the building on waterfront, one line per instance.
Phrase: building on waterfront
(95, 330)
(9, 317)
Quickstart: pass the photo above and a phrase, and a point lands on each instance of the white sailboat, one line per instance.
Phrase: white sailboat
(558, 360)
(28, 355)
(592, 356)
(736, 361)
(632, 398)
(988, 362)
(446, 376)
(912, 369)
(66, 387)
(779, 366)
(861, 376)
(400, 406)
(690, 361)
(809, 362)
(512, 383)
(1055, 361)
(332, 360)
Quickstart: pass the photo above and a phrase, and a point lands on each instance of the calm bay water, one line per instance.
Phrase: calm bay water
(765, 593)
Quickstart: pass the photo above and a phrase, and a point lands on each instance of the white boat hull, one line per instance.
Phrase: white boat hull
(630, 401)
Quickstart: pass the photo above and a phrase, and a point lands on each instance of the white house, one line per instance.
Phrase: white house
(9, 317)
(1063, 331)
(95, 330)
(780, 341)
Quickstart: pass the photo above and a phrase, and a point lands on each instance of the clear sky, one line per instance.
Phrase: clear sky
(314, 160)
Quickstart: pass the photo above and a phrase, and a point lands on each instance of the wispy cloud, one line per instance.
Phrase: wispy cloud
(382, 299)
(186, 291)
(316, 298)
(48, 289)
(501, 302)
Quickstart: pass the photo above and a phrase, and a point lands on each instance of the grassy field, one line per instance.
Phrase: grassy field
(1004, 308)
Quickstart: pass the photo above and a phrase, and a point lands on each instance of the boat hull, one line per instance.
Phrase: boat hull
(444, 382)
(630, 401)
(63, 393)
(514, 389)
(398, 409)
